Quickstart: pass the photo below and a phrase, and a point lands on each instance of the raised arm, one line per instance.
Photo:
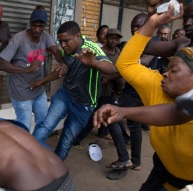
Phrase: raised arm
(132, 51)
(163, 48)
(158, 19)
(171, 114)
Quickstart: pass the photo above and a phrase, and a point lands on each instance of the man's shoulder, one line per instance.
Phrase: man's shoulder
(19, 35)
(89, 42)
(46, 33)
(47, 37)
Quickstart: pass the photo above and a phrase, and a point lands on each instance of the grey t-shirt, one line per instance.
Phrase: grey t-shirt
(21, 52)
(107, 88)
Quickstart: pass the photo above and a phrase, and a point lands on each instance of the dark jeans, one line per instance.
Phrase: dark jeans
(118, 138)
(126, 100)
(159, 175)
(103, 131)
(153, 182)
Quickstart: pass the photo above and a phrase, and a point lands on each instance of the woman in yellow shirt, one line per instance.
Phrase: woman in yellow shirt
(173, 145)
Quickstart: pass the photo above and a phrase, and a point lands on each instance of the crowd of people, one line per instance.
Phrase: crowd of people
(92, 72)
(169, 172)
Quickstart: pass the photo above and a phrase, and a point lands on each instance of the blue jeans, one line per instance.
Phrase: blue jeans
(24, 110)
(61, 106)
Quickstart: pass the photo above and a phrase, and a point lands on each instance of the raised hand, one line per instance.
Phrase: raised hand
(159, 19)
(153, 4)
(169, 16)
(87, 57)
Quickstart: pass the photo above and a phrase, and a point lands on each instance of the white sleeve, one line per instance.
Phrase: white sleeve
(185, 101)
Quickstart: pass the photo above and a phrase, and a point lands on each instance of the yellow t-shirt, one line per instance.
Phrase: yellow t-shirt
(173, 144)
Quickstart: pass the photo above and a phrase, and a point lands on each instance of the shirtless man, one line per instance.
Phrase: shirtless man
(26, 164)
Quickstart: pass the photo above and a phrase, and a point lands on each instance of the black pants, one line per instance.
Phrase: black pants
(89, 126)
(126, 100)
(159, 175)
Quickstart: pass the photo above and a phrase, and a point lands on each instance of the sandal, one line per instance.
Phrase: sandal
(135, 167)
(120, 165)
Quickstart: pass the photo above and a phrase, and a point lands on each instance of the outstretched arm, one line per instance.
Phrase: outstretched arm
(158, 115)
(87, 57)
(50, 77)
(166, 48)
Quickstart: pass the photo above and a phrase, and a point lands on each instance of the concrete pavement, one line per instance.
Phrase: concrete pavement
(91, 176)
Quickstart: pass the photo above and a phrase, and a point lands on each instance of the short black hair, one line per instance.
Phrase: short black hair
(71, 27)
(100, 28)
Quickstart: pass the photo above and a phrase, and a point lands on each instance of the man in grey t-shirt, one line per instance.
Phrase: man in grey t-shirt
(24, 59)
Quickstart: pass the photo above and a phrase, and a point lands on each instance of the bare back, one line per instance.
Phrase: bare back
(26, 164)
